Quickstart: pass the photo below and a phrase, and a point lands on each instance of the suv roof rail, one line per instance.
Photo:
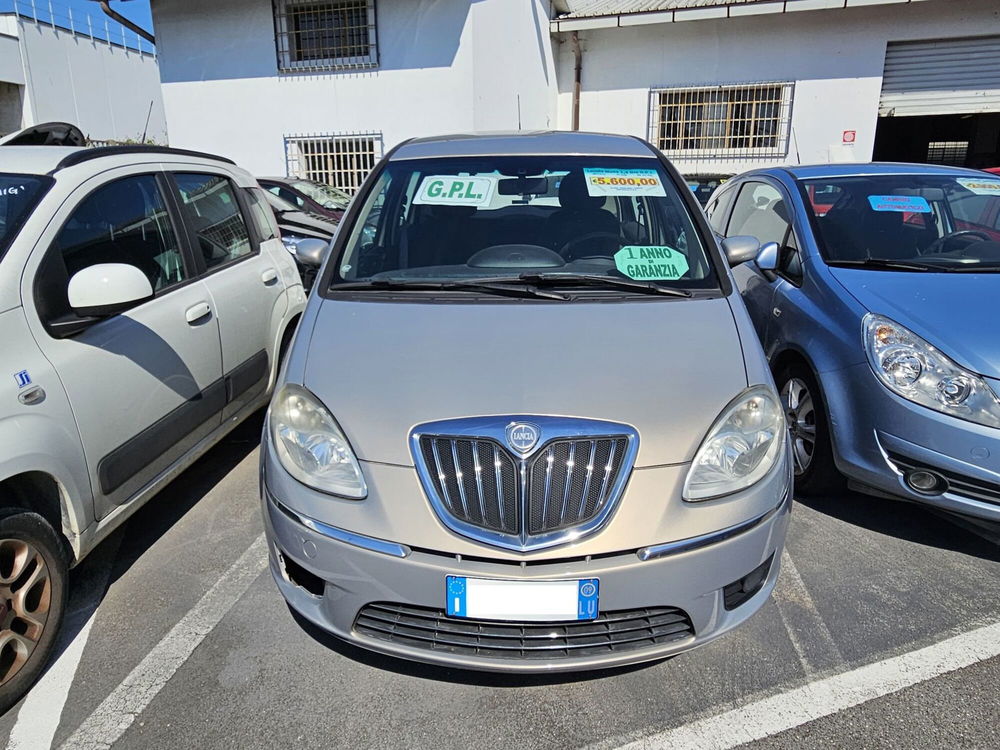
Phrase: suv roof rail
(78, 157)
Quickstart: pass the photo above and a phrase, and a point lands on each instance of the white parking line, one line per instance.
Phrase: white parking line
(801, 618)
(828, 696)
(116, 713)
(39, 715)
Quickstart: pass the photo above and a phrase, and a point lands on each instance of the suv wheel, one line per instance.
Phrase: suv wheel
(33, 582)
(805, 413)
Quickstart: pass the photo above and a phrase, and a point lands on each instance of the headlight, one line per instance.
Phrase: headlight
(311, 446)
(740, 449)
(918, 372)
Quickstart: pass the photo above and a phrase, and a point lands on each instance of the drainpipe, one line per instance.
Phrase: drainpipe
(577, 71)
(113, 14)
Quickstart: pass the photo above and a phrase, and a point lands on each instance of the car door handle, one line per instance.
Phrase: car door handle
(269, 275)
(196, 312)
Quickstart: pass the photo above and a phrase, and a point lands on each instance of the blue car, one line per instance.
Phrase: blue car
(876, 294)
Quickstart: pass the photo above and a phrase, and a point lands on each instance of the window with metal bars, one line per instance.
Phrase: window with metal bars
(750, 120)
(952, 153)
(325, 34)
(342, 161)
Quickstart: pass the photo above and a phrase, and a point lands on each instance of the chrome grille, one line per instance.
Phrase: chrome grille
(476, 479)
(483, 488)
(612, 632)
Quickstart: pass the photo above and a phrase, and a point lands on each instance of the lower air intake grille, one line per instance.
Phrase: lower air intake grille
(612, 632)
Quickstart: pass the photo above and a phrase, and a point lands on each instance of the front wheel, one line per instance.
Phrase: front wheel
(805, 413)
(33, 582)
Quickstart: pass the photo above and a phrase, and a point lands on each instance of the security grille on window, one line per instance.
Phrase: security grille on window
(952, 153)
(325, 35)
(722, 121)
(341, 160)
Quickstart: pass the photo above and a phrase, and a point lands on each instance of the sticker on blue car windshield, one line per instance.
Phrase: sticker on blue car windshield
(604, 182)
(909, 204)
(980, 187)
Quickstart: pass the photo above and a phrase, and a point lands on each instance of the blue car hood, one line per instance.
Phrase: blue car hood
(955, 312)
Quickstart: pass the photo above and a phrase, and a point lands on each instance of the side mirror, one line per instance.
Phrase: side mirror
(107, 289)
(312, 251)
(740, 249)
(767, 258)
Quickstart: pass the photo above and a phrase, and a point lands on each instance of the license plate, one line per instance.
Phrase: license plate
(522, 601)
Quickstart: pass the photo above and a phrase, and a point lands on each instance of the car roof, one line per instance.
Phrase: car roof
(522, 143)
(43, 160)
(34, 159)
(813, 171)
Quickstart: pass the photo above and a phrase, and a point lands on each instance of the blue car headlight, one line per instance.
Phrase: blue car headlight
(914, 369)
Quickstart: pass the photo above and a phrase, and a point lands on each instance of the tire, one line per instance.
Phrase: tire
(812, 448)
(34, 577)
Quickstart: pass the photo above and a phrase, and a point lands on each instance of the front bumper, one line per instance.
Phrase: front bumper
(353, 572)
(879, 437)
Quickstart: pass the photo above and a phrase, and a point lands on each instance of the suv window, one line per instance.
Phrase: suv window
(210, 207)
(125, 221)
(262, 215)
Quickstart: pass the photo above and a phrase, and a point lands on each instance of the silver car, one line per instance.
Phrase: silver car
(526, 424)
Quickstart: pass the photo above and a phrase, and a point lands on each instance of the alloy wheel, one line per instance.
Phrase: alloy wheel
(25, 598)
(800, 413)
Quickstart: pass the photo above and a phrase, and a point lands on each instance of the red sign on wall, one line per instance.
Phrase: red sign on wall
(850, 136)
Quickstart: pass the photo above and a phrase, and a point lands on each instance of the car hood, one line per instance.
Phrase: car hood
(954, 312)
(666, 367)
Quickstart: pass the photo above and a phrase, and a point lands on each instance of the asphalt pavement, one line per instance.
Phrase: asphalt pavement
(178, 637)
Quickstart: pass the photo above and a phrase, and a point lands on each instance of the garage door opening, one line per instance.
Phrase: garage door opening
(964, 140)
(940, 102)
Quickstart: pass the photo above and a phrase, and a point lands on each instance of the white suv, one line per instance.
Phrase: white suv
(145, 301)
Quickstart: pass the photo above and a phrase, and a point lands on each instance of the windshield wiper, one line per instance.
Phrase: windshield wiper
(882, 263)
(646, 287)
(493, 286)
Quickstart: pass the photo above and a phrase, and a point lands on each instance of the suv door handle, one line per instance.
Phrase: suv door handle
(268, 275)
(196, 312)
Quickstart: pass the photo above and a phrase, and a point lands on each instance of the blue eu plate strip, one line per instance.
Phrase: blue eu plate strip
(456, 596)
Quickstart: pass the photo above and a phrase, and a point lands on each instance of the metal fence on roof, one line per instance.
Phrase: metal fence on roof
(94, 26)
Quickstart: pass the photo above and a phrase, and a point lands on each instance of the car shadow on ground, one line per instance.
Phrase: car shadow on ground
(114, 556)
(907, 521)
(456, 676)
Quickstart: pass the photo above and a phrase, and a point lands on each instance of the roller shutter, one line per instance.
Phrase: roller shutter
(941, 77)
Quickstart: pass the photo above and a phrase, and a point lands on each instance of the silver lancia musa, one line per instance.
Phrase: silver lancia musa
(525, 424)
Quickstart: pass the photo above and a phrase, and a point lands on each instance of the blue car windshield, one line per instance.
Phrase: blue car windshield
(463, 219)
(924, 221)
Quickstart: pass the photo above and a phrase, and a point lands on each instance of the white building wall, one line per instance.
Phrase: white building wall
(835, 57)
(444, 66)
(105, 89)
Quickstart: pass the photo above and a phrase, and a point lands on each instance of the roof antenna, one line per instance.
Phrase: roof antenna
(798, 159)
(146, 126)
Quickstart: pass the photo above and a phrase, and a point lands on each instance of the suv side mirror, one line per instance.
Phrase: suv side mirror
(311, 251)
(107, 289)
(767, 257)
(740, 249)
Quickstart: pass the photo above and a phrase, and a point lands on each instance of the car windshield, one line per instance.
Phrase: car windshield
(615, 221)
(18, 195)
(325, 195)
(908, 222)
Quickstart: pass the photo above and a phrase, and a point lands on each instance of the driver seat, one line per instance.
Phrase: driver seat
(579, 214)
